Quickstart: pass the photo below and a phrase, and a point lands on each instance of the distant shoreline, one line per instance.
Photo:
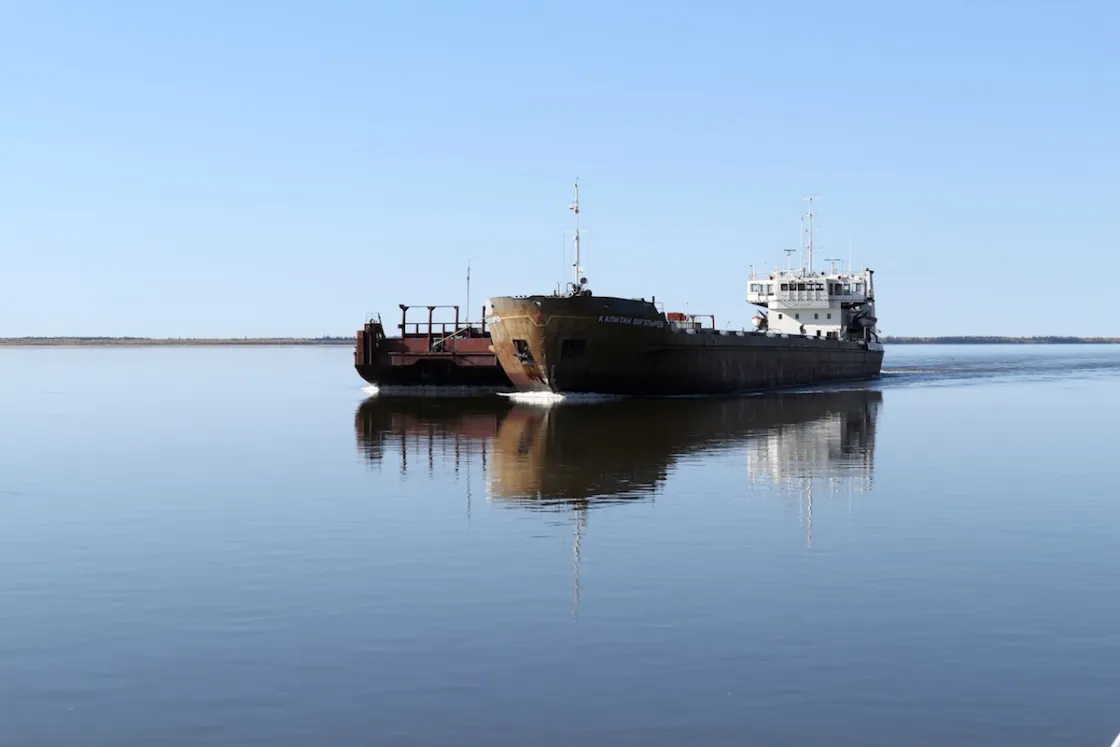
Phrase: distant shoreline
(349, 341)
(983, 340)
(169, 341)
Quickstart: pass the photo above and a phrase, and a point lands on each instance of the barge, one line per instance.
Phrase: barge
(429, 354)
(813, 327)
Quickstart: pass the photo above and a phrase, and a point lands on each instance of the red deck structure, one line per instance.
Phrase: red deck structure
(446, 352)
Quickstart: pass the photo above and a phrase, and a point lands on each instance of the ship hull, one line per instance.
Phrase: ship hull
(588, 344)
(486, 375)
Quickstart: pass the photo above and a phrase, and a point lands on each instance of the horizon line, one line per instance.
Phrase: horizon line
(124, 340)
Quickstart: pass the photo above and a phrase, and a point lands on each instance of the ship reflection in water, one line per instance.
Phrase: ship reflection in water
(582, 456)
(575, 457)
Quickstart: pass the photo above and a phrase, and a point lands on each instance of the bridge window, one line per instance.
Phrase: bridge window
(785, 286)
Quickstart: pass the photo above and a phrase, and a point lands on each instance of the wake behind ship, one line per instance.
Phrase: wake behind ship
(815, 327)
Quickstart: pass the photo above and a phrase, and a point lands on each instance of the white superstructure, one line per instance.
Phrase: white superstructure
(810, 303)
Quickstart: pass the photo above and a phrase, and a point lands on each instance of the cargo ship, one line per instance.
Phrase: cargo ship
(812, 327)
(429, 355)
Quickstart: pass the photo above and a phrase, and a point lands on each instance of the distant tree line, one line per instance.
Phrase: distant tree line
(127, 340)
(994, 340)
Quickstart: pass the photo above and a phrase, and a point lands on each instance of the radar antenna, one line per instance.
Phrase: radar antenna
(832, 264)
(789, 262)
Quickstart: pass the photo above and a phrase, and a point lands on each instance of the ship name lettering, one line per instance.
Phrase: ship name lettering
(632, 321)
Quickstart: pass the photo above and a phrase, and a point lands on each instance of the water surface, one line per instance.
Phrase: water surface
(235, 546)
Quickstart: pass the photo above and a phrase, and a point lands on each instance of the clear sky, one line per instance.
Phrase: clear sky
(281, 168)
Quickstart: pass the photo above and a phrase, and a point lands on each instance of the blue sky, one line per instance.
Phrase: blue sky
(282, 168)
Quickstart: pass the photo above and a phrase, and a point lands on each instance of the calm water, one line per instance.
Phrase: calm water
(235, 547)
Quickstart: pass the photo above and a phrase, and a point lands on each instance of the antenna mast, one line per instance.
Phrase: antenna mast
(810, 216)
(468, 291)
(789, 253)
(801, 246)
(574, 207)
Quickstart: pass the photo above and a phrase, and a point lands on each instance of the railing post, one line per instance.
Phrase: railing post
(431, 315)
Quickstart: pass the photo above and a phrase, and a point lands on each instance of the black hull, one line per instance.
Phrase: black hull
(678, 387)
(681, 372)
(422, 375)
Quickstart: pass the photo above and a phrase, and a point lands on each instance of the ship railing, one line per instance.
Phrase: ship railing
(439, 330)
(465, 330)
(436, 329)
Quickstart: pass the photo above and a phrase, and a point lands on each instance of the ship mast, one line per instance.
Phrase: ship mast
(810, 216)
(574, 207)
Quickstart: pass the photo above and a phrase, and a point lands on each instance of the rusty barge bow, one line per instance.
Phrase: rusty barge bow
(429, 355)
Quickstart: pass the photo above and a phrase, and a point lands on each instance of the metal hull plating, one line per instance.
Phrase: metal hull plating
(452, 371)
(603, 345)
